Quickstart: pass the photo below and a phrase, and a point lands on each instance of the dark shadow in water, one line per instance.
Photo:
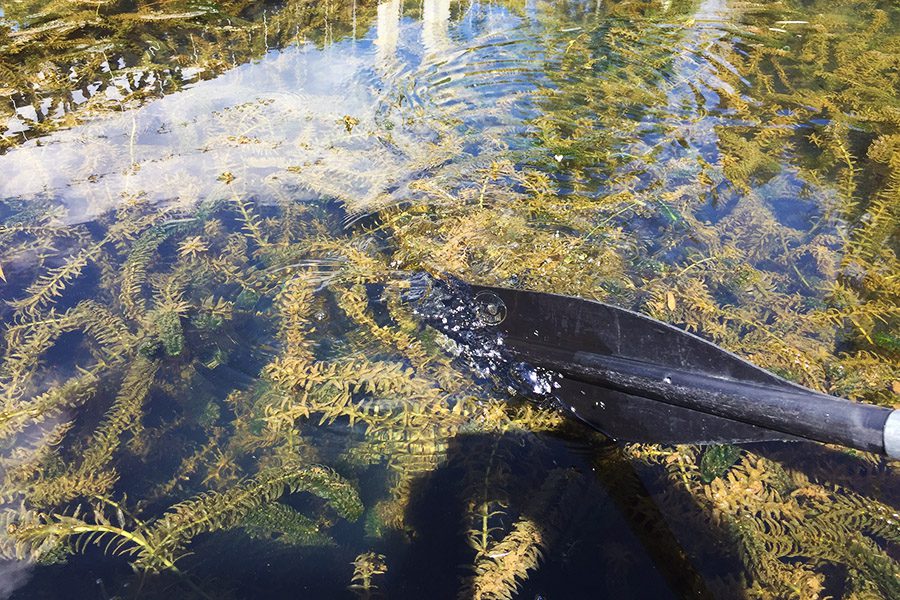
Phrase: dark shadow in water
(604, 537)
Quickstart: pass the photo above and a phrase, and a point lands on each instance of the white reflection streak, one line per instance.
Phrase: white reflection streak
(710, 18)
(388, 32)
(435, 25)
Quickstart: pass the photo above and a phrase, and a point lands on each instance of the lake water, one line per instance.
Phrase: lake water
(212, 218)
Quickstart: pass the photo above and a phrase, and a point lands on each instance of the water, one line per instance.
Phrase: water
(212, 217)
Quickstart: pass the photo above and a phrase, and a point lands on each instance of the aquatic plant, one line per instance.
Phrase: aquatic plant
(724, 260)
(366, 567)
(159, 544)
(256, 356)
(505, 555)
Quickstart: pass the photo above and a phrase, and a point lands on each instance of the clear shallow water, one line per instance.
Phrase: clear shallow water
(402, 80)
(210, 214)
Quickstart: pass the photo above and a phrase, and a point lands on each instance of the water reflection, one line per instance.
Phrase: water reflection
(309, 121)
(435, 25)
(388, 30)
(677, 157)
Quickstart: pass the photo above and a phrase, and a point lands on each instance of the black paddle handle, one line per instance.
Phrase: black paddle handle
(790, 409)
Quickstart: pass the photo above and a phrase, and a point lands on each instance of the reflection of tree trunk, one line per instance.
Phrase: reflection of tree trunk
(435, 25)
(692, 73)
(388, 31)
(712, 10)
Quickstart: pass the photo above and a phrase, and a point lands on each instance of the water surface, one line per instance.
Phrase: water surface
(212, 214)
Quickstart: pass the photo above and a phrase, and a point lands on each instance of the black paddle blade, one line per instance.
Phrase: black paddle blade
(635, 378)
(579, 325)
(535, 320)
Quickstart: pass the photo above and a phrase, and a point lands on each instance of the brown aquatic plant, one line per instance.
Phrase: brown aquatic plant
(152, 304)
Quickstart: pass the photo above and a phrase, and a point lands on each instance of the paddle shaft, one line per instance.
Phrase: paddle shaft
(794, 411)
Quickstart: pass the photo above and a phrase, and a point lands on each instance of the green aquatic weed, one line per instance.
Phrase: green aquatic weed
(716, 460)
(211, 351)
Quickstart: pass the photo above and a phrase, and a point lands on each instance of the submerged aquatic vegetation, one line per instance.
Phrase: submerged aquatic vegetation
(251, 354)
(366, 567)
(157, 545)
(171, 320)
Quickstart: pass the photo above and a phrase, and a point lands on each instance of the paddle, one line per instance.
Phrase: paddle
(637, 379)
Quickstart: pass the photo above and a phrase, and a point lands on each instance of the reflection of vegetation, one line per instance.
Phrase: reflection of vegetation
(209, 350)
(61, 61)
